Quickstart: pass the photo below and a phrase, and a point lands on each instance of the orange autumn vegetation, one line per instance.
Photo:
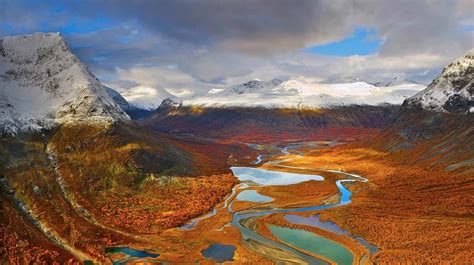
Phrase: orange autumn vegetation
(22, 244)
(159, 206)
(73, 177)
(35, 184)
(415, 213)
(309, 193)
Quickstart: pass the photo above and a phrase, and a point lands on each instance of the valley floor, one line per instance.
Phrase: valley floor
(414, 213)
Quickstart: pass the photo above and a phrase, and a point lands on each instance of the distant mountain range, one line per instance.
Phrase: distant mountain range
(396, 80)
(44, 84)
(291, 93)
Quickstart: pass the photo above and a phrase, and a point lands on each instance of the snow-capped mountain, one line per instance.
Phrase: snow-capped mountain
(396, 80)
(42, 83)
(170, 103)
(295, 92)
(452, 91)
(253, 86)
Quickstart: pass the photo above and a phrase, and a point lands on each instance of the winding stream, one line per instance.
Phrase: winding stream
(249, 234)
(297, 245)
(301, 239)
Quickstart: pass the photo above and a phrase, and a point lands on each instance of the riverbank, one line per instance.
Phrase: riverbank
(410, 212)
(237, 226)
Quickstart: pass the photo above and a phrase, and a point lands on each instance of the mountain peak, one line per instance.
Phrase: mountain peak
(44, 83)
(253, 86)
(169, 102)
(452, 91)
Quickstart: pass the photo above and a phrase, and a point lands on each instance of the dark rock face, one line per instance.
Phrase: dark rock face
(170, 102)
(420, 124)
(416, 133)
(458, 103)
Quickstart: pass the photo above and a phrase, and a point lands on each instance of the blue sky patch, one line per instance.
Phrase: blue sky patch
(76, 25)
(363, 41)
(467, 28)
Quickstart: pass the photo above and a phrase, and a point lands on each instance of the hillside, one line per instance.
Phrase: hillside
(75, 171)
(438, 120)
(259, 125)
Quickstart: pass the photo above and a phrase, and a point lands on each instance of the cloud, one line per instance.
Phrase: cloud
(262, 27)
(187, 47)
(148, 86)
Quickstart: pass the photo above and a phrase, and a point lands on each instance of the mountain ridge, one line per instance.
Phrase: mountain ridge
(293, 93)
(452, 91)
(44, 84)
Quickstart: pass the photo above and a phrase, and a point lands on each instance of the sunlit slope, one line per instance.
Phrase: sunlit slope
(84, 187)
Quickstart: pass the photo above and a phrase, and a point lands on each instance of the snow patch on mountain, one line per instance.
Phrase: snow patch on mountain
(452, 91)
(253, 86)
(294, 92)
(42, 84)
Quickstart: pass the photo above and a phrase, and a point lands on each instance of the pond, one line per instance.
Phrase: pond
(315, 221)
(219, 252)
(313, 243)
(130, 253)
(253, 196)
(270, 177)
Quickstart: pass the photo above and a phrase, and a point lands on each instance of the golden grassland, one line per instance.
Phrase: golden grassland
(415, 213)
(309, 193)
(158, 206)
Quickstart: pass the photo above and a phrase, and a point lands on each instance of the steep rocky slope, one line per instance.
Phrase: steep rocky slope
(435, 125)
(43, 84)
(452, 91)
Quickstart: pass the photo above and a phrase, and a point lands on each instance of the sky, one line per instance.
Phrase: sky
(153, 49)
